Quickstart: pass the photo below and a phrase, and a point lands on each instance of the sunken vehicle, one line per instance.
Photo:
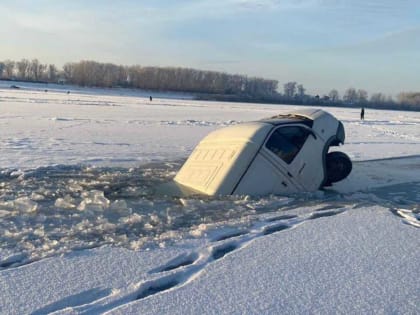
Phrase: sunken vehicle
(284, 154)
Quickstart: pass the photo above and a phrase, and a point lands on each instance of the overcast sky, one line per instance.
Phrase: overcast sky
(323, 44)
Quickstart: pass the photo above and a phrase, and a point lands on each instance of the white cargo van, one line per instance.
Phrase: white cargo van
(280, 155)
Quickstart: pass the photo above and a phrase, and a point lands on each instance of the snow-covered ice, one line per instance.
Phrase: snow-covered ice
(86, 229)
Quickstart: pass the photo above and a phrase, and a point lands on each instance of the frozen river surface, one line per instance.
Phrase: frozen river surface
(81, 176)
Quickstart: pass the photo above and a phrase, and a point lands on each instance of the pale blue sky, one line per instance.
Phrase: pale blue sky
(322, 44)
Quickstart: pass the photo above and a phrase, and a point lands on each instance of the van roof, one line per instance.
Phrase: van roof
(285, 119)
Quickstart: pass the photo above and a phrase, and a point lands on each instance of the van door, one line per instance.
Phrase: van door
(298, 151)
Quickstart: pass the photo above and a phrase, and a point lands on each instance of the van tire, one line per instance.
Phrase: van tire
(338, 167)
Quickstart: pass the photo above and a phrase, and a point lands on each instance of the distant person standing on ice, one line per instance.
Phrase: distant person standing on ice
(150, 98)
(362, 114)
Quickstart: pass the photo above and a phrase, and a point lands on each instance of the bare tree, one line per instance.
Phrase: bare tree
(390, 99)
(301, 91)
(52, 73)
(22, 69)
(34, 70)
(362, 96)
(334, 96)
(9, 67)
(289, 89)
(68, 71)
(2, 66)
(409, 98)
(350, 96)
(378, 98)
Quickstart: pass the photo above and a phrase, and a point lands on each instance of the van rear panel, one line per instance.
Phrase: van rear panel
(219, 161)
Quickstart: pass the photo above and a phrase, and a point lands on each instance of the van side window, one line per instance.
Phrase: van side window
(286, 142)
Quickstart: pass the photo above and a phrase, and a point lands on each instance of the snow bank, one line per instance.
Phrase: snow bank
(348, 262)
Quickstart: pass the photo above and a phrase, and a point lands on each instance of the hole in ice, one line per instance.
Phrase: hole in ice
(58, 209)
(54, 210)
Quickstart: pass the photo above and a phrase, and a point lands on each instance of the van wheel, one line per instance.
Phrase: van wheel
(339, 167)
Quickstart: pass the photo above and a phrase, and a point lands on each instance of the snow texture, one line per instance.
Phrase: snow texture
(87, 225)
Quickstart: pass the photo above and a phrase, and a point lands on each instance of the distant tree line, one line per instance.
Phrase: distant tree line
(28, 70)
(206, 84)
(294, 93)
(96, 74)
(410, 99)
